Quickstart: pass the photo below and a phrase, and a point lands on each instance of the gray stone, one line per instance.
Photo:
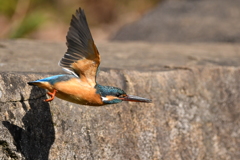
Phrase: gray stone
(195, 112)
(43, 57)
(186, 21)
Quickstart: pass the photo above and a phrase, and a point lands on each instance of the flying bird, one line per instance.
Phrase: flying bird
(81, 62)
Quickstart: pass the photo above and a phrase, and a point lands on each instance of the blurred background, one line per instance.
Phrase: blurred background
(49, 19)
(140, 20)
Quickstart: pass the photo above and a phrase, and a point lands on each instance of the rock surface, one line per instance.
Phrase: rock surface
(195, 112)
(187, 21)
(43, 57)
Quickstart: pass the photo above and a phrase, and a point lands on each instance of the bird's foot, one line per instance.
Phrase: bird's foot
(52, 95)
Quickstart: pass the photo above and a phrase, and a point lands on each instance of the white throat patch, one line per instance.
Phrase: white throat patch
(104, 98)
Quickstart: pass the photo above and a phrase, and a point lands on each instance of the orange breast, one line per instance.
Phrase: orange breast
(78, 92)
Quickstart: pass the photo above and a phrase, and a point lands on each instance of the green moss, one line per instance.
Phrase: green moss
(7, 7)
(30, 23)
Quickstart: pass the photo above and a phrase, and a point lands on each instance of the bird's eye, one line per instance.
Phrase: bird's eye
(122, 95)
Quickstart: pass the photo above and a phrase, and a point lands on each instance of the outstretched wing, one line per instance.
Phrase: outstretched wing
(82, 57)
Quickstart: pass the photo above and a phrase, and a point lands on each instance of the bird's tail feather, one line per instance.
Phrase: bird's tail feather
(44, 85)
(32, 83)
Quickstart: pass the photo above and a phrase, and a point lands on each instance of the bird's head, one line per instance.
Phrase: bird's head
(111, 95)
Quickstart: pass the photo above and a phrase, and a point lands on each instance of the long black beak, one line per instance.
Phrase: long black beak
(136, 99)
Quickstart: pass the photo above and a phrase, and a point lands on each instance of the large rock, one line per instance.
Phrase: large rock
(43, 57)
(195, 112)
(187, 21)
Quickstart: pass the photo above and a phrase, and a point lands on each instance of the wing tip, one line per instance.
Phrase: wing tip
(79, 12)
(78, 43)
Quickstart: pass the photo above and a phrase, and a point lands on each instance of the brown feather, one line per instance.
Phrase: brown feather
(78, 92)
(87, 67)
(82, 56)
(44, 85)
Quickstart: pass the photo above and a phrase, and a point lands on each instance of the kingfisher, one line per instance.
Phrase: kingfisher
(81, 62)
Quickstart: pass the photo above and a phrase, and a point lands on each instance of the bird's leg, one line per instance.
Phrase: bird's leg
(52, 95)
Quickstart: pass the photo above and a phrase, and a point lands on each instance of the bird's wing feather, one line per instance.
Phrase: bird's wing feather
(82, 57)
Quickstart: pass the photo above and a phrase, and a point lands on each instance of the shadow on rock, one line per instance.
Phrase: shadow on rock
(36, 138)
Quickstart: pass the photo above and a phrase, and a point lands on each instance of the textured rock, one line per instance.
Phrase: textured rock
(187, 21)
(194, 115)
(195, 112)
(42, 57)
